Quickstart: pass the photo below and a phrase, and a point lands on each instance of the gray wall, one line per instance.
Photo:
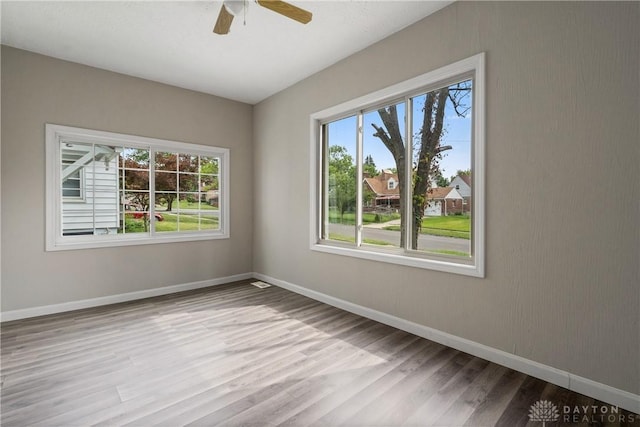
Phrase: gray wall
(37, 90)
(563, 241)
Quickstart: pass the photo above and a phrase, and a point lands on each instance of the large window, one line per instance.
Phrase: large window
(398, 174)
(106, 189)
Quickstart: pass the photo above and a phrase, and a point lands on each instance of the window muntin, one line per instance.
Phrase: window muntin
(120, 175)
(433, 214)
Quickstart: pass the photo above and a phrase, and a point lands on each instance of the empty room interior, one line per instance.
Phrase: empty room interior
(321, 213)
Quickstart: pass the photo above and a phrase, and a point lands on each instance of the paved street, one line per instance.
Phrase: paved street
(425, 241)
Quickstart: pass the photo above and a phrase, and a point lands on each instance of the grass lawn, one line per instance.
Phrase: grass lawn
(448, 226)
(183, 204)
(187, 223)
(449, 252)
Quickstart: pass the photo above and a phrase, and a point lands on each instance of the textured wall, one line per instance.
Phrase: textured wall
(38, 90)
(563, 241)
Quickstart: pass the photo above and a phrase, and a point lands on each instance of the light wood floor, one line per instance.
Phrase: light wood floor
(239, 355)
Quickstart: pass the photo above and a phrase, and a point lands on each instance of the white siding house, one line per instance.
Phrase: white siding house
(462, 186)
(90, 189)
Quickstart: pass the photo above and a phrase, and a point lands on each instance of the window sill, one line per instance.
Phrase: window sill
(400, 257)
(109, 241)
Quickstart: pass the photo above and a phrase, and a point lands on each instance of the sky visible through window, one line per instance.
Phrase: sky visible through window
(457, 134)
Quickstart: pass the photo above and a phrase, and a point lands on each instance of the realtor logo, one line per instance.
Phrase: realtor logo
(543, 410)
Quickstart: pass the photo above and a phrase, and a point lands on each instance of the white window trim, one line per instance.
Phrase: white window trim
(55, 241)
(475, 65)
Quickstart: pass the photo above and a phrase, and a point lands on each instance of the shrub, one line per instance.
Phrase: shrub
(133, 225)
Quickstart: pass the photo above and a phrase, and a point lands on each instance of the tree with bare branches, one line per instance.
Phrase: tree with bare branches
(427, 148)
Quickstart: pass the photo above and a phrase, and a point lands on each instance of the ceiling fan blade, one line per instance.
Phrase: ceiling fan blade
(223, 24)
(286, 9)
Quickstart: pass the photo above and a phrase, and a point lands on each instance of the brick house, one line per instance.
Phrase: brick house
(383, 191)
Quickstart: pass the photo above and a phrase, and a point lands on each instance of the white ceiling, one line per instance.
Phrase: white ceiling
(172, 42)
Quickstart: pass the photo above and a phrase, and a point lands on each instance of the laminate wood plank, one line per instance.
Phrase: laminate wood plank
(309, 366)
(473, 396)
(497, 400)
(194, 396)
(311, 388)
(238, 355)
(43, 411)
(409, 393)
(350, 410)
(397, 366)
(517, 413)
(444, 397)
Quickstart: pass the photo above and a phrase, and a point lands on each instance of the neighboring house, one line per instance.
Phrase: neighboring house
(440, 200)
(462, 183)
(90, 202)
(443, 201)
(212, 196)
(384, 191)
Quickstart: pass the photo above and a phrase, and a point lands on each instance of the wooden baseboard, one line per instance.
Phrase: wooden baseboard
(113, 299)
(599, 391)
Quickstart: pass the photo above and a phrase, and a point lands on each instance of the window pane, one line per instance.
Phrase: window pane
(166, 212)
(209, 182)
(166, 202)
(102, 183)
(166, 181)
(189, 207)
(134, 158)
(211, 198)
(340, 187)
(189, 202)
(442, 170)
(135, 201)
(135, 210)
(133, 179)
(72, 185)
(382, 185)
(74, 159)
(188, 163)
(210, 220)
(166, 161)
(89, 176)
(209, 165)
(188, 182)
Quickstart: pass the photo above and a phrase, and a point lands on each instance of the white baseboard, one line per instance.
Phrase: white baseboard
(113, 299)
(599, 391)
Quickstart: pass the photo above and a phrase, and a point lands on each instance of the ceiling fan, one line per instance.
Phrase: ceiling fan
(231, 8)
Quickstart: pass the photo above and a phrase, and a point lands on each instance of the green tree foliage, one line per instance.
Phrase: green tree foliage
(440, 180)
(342, 180)
(460, 172)
(174, 172)
(187, 166)
(369, 166)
